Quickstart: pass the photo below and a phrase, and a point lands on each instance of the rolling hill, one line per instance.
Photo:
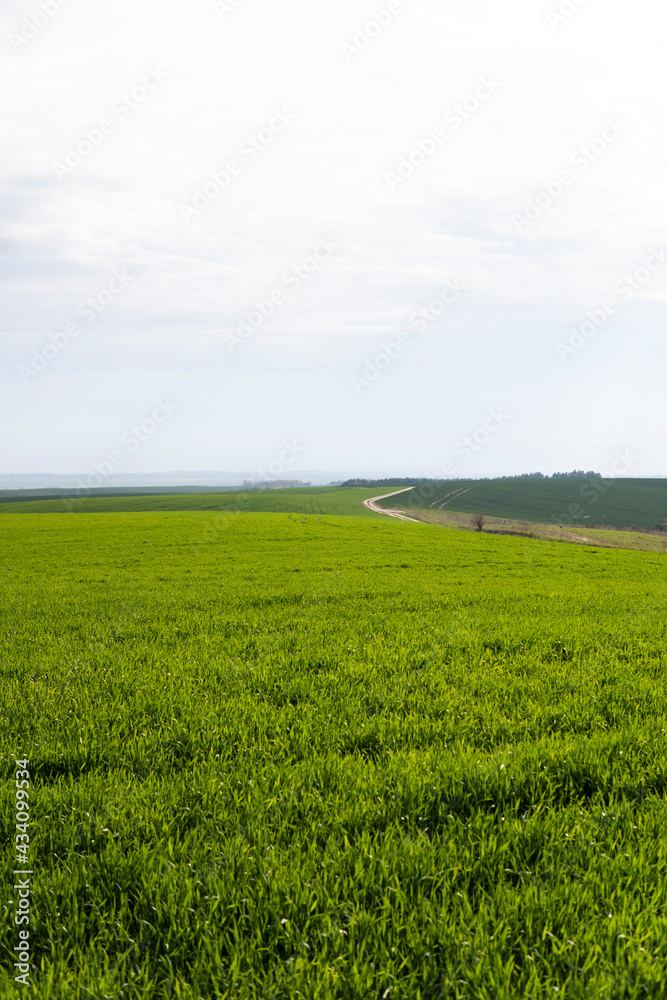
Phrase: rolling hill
(310, 500)
(626, 503)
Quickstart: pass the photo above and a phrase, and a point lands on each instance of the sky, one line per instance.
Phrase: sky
(410, 235)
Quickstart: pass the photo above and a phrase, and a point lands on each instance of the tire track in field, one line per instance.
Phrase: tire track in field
(371, 503)
(454, 495)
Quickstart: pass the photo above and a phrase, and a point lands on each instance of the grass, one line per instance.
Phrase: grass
(621, 503)
(647, 541)
(299, 500)
(333, 758)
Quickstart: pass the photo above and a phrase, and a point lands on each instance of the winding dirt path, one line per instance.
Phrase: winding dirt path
(372, 505)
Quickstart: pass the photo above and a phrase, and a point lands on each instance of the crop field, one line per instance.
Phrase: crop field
(649, 541)
(24, 495)
(621, 503)
(301, 500)
(278, 756)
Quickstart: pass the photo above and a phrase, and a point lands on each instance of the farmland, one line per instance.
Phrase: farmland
(333, 757)
(649, 541)
(621, 503)
(627, 503)
(303, 500)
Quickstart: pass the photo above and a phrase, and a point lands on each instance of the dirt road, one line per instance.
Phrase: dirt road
(372, 505)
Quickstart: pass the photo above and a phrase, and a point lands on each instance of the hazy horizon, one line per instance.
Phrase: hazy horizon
(237, 477)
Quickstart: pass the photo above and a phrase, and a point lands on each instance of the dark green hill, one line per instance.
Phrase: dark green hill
(627, 503)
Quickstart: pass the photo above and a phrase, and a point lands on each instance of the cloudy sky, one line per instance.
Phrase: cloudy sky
(411, 235)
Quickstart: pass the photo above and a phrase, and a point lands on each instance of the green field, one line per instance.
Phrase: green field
(278, 757)
(621, 503)
(302, 500)
(625, 503)
(25, 495)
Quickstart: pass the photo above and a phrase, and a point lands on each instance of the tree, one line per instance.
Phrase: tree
(478, 521)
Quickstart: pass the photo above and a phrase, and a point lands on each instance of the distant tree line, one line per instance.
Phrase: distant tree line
(272, 484)
(384, 482)
(575, 474)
